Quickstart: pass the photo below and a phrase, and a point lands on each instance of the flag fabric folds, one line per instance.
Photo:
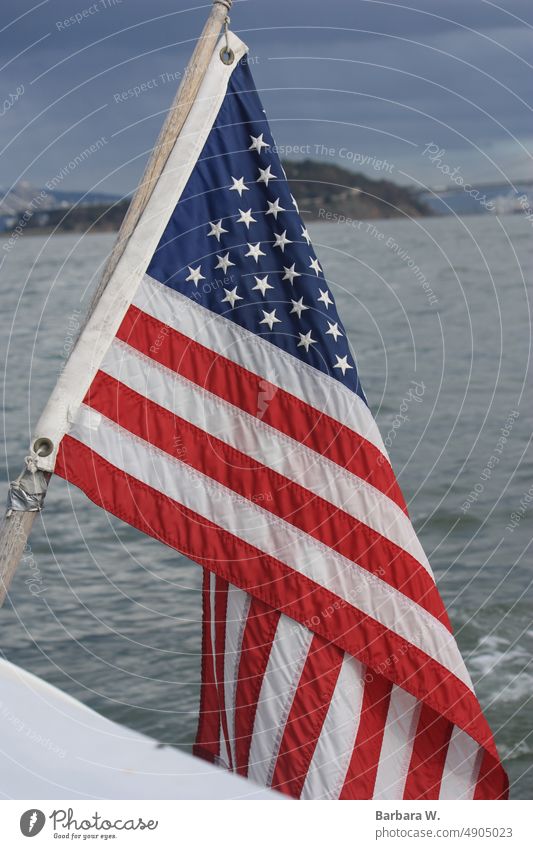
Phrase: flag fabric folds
(214, 403)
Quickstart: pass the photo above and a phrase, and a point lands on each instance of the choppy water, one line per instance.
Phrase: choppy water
(115, 621)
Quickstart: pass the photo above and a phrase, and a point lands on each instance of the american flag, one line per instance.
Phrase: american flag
(225, 418)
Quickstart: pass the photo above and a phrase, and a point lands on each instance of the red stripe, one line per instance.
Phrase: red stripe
(492, 780)
(306, 716)
(259, 398)
(428, 756)
(274, 492)
(361, 774)
(279, 586)
(207, 743)
(221, 607)
(259, 633)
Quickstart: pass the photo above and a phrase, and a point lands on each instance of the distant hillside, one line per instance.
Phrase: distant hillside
(323, 191)
(320, 188)
(95, 217)
(25, 195)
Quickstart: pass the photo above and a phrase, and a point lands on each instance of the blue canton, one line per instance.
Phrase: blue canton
(236, 243)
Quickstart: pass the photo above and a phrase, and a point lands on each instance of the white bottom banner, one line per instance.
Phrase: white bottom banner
(249, 824)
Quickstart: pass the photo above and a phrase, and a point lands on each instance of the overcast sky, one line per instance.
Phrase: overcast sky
(351, 81)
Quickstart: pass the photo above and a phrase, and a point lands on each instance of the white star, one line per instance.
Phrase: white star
(270, 318)
(265, 176)
(274, 208)
(238, 186)
(325, 298)
(262, 285)
(246, 218)
(333, 330)
(281, 241)
(342, 363)
(294, 203)
(231, 297)
(305, 235)
(306, 340)
(255, 251)
(257, 143)
(195, 275)
(315, 266)
(298, 307)
(290, 273)
(216, 229)
(224, 262)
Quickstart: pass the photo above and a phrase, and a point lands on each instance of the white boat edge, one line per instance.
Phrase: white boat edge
(55, 747)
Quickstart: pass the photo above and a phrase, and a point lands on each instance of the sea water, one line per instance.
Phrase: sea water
(438, 315)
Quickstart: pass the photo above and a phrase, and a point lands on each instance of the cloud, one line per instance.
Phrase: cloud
(381, 78)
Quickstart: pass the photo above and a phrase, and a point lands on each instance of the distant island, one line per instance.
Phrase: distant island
(323, 192)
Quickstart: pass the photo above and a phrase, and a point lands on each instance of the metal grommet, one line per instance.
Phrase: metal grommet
(227, 55)
(43, 446)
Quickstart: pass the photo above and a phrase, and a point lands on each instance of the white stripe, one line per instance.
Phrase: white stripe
(115, 300)
(265, 444)
(285, 663)
(236, 614)
(275, 537)
(223, 749)
(333, 751)
(397, 745)
(461, 767)
(256, 354)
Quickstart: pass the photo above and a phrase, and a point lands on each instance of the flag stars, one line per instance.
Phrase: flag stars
(224, 262)
(274, 208)
(333, 330)
(231, 297)
(295, 204)
(265, 176)
(246, 218)
(315, 266)
(238, 186)
(305, 235)
(306, 340)
(290, 273)
(262, 285)
(216, 229)
(195, 275)
(298, 307)
(342, 364)
(325, 298)
(257, 143)
(282, 240)
(254, 251)
(270, 318)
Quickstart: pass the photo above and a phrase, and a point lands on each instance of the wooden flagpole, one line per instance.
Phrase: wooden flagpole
(18, 523)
